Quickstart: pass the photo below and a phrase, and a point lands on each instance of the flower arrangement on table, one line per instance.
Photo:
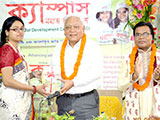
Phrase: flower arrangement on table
(142, 10)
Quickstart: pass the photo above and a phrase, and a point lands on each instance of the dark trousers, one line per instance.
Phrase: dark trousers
(85, 106)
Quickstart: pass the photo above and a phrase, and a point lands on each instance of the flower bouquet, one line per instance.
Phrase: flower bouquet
(141, 10)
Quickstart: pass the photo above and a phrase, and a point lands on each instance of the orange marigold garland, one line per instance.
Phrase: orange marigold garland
(79, 57)
(151, 67)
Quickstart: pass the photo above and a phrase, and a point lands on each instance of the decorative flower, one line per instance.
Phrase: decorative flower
(152, 17)
(140, 7)
(139, 15)
(151, 64)
(142, 1)
(142, 10)
(134, 12)
(154, 9)
(136, 2)
(128, 2)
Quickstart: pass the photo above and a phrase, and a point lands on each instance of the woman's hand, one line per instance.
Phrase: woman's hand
(40, 89)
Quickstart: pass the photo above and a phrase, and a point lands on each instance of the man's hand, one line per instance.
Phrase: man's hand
(68, 84)
(156, 73)
(137, 68)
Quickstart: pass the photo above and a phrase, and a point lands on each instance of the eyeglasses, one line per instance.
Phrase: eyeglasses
(145, 34)
(76, 27)
(18, 29)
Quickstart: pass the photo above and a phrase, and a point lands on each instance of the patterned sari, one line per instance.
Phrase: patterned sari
(14, 104)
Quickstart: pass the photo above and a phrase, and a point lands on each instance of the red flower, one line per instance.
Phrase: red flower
(135, 6)
(154, 1)
(149, 2)
(152, 17)
(154, 28)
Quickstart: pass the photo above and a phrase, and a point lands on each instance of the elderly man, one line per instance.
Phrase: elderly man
(140, 75)
(79, 63)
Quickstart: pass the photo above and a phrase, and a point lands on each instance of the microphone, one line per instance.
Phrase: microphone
(55, 94)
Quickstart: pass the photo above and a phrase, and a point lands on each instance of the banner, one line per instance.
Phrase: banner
(104, 20)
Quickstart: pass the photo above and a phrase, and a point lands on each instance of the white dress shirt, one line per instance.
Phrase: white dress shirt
(90, 69)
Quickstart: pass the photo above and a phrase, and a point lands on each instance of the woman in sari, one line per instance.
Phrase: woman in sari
(16, 99)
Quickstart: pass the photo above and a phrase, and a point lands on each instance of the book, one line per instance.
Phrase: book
(50, 78)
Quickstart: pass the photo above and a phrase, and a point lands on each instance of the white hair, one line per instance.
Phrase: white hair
(73, 15)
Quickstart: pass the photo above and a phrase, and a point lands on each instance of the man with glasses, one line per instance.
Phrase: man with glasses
(79, 61)
(140, 76)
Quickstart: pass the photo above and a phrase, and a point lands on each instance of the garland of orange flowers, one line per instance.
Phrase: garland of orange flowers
(151, 67)
(79, 57)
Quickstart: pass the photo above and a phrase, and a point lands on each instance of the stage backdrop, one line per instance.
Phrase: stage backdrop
(44, 23)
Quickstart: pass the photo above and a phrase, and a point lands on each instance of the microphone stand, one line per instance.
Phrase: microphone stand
(56, 94)
(49, 105)
(39, 117)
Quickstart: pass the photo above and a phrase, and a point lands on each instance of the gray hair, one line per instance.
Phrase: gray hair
(73, 15)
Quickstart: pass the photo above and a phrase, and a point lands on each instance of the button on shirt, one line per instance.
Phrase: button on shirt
(90, 69)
